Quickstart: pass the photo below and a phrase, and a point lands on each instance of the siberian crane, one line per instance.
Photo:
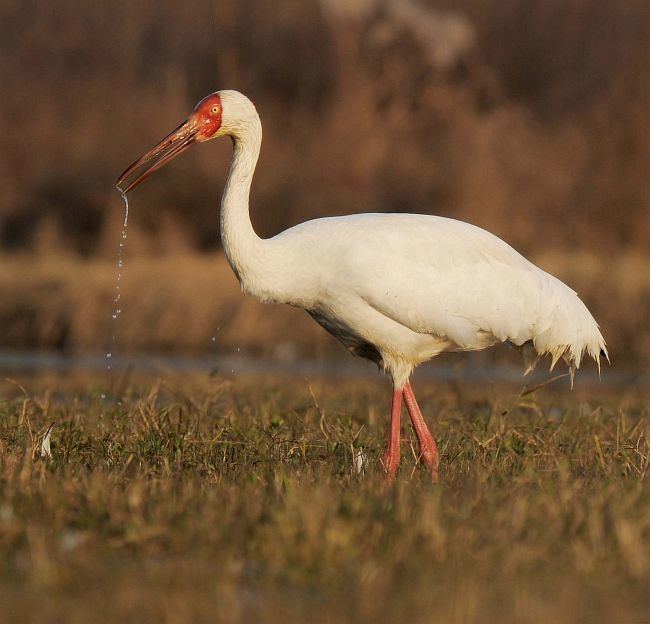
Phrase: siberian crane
(397, 289)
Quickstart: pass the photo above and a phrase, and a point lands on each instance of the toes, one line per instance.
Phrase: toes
(430, 458)
(389, 464)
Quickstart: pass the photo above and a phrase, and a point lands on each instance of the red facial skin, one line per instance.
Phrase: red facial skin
(208, 114)
(202, 124)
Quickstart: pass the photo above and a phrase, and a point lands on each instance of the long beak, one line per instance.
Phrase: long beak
(172, 145)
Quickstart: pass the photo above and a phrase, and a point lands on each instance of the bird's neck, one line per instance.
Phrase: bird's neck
(240, 242)
(255, 261)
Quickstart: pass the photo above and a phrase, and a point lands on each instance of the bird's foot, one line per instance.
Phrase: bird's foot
(431, 459)
(429, 455)
(390, 463)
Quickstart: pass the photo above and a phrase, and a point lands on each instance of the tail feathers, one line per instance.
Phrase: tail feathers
(532, 356)
(567, 330)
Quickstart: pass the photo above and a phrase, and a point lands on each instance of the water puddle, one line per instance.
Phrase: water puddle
(473, 369)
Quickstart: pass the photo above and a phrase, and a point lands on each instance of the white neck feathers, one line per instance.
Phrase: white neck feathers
(257, 263)
(240, 242)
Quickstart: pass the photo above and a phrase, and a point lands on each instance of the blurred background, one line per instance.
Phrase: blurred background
(526, 117)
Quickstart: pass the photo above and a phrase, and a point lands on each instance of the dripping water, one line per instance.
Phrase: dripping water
(117, 298)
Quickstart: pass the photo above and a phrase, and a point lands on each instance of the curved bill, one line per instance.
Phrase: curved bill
(172, 145)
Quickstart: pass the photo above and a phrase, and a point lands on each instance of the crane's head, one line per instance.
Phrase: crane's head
(218, 114)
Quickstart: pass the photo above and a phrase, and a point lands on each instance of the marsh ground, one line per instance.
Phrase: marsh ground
(197, 499)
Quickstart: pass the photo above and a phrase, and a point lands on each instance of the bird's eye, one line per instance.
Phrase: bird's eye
(215, 109)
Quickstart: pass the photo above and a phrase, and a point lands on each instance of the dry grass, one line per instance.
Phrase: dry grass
(528, 117)
(62, 302)
(67, 303)
(203, 501)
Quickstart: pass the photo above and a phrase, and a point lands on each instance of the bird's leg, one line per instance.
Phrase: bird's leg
(428, 448)
(391, 458)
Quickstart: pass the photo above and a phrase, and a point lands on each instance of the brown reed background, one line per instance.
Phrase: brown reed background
(526, 117)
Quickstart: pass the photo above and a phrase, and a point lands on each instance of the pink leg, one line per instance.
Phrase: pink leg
(391, 458)
(428, 448)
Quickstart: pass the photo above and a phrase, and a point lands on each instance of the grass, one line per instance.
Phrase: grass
(200, 500)
(527, 118)
(60, 302)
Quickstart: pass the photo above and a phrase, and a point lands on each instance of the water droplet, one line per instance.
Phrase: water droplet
(120, 265)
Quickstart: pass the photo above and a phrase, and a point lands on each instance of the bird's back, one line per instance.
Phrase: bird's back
(442, 277)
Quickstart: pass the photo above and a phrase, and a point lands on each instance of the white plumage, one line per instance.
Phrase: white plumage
(395, 288)
(414, 286)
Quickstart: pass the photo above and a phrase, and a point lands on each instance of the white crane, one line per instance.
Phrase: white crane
(397, 289)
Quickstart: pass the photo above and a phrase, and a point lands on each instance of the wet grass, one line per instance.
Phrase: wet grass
(256, 501)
